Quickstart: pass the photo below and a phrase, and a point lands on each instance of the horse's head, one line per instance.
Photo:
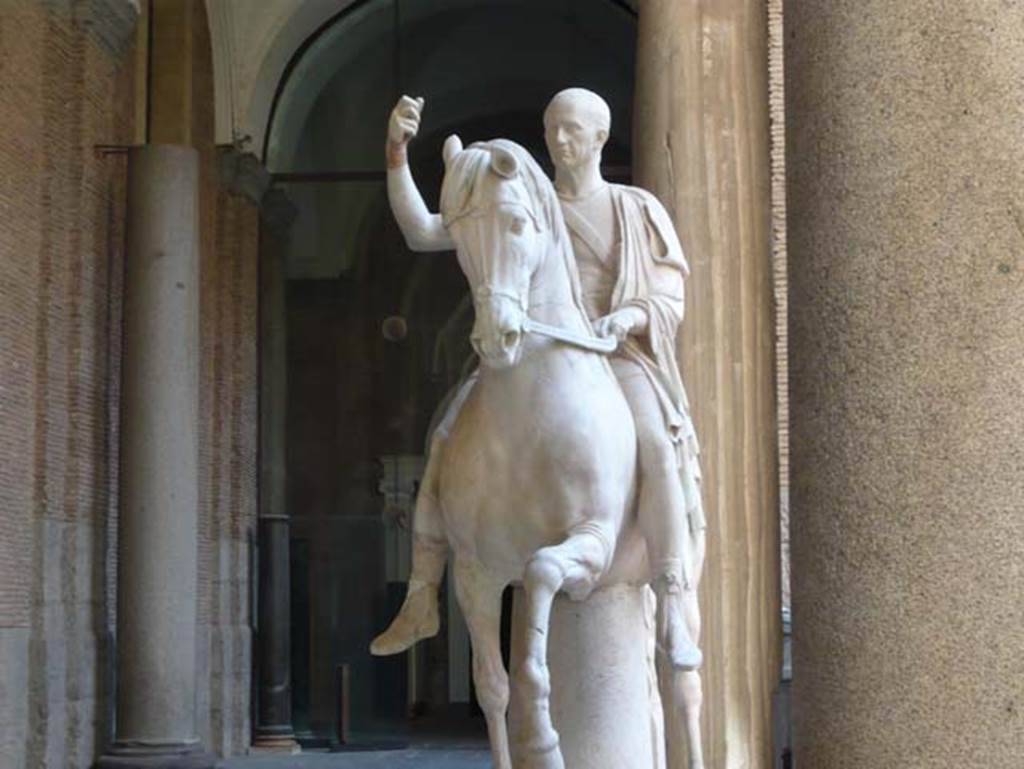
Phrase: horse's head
(497, 217)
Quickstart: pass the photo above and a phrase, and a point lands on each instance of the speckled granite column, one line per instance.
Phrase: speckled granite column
(906, 248)
(157, 527)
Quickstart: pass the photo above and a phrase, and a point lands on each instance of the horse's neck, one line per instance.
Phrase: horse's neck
(551, 296)
(560, 366)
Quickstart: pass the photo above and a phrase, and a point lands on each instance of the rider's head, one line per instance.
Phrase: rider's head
(576, 126)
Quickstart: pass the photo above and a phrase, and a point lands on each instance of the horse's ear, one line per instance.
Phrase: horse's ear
(452, 147)
(504, 162)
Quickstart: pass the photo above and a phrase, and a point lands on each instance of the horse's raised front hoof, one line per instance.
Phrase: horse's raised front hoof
(417, 619)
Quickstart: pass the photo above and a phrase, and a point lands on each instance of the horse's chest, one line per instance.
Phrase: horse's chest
(503, 447)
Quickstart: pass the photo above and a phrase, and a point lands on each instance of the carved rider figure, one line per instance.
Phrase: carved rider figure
(631, 270)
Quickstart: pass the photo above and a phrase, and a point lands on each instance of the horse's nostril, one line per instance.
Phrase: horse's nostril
(510, 339)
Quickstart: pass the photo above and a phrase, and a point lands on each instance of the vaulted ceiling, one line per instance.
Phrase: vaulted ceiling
(254, 43)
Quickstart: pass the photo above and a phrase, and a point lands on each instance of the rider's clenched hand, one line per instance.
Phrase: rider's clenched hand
(405, 120)
(402, 126)
(621, 323)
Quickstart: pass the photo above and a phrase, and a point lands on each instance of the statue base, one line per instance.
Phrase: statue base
(604, 690)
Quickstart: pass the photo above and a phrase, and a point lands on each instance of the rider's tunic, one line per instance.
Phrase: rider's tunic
(643, 267)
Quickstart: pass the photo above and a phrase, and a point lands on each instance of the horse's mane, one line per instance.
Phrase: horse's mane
(461, 195)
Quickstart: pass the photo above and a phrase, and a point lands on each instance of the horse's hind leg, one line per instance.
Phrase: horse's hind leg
(574, 565)
(479, 595)
(687, 692)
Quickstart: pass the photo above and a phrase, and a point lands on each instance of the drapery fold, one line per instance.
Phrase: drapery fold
(651, 272)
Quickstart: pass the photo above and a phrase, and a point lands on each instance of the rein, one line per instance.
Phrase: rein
(531, 326)
(587, 342)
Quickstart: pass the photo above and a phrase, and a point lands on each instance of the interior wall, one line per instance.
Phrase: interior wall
(228, 393)
(228, 482)
(358, 404)
(66, 86)
(69, 85)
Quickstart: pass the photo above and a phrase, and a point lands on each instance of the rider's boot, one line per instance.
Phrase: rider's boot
(674, 638)
(419, 617)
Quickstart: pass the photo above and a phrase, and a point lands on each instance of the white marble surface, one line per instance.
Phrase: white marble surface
(534, 479)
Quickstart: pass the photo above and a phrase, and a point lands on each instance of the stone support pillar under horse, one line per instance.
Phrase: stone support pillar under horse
(604, 689)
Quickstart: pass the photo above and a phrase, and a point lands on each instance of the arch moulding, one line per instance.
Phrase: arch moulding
(250, 54)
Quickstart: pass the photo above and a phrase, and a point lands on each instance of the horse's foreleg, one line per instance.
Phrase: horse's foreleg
(575, 565)
(541, 582)
(479, 595)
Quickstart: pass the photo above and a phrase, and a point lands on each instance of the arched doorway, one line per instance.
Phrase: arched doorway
(376, 335)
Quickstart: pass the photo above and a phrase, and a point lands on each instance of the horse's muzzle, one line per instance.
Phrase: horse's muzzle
(501, 349)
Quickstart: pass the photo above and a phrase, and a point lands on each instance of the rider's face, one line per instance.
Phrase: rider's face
(572, 135)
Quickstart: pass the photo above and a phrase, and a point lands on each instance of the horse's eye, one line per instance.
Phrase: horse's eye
(518, 225)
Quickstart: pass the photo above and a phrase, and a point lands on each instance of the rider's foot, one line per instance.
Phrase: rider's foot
(673, 635)
(417, 619)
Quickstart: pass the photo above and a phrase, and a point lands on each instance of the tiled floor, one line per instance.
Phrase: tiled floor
(420, 758)
(459, 744)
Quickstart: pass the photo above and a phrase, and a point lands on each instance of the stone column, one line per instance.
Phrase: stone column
(906, 243)
(157, 599)
(604, 692)
(701, 143)
(273, 638)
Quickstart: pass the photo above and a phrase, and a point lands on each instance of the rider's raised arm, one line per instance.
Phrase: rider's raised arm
(423, 231)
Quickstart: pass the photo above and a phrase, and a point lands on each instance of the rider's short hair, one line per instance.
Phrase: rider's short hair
(591, 102)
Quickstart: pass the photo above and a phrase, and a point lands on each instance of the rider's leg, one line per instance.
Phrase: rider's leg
(419, 617)
(662, 514)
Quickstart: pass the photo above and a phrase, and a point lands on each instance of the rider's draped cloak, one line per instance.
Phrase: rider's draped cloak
(649, 272)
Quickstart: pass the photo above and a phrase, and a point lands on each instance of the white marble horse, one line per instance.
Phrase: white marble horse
(537, 480)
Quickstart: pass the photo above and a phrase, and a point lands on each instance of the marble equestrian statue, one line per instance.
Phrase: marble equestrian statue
(568, 461)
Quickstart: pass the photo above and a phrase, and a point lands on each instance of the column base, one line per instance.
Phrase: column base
(131, 757)
(275, 743)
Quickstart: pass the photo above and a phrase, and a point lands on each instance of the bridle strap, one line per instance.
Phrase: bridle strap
(487, 291)
(531, 326)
